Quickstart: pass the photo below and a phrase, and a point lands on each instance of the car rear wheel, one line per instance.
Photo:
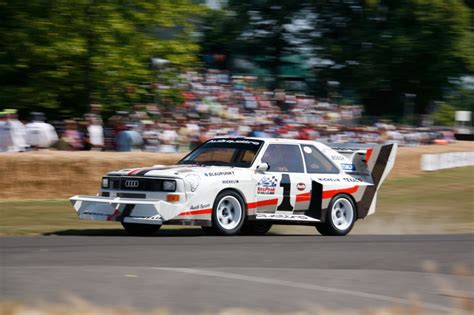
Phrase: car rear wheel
(340, 218)
(256, 228)
(228, 213)
(137, 229)
(209, 230)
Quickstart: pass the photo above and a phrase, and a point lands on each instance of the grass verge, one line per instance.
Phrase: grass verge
(438, 202)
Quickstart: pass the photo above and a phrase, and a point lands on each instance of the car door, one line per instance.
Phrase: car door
(324, 177)
(285, 188)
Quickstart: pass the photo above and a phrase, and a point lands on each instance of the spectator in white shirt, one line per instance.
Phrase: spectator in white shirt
(39, 134)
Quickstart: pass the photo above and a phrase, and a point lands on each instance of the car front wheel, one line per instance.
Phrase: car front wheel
(137, 229)
(340, 218)
(228, 213)
(256, 228)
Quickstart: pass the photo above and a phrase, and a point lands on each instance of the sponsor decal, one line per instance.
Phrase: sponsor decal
(337, 158)
(324, 179)
(267, 185)
(95, 213)
(351, 180)
(241, 141)
(348, 167)
(289, 217)
(230, 181)
(200, 206)
(155, 217)
(266, 190)
(301, 186)
(226, 173)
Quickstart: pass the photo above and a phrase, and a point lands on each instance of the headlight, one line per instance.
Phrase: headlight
(169, 185)
(105, 182)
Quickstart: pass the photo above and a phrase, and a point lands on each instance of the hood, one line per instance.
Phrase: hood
(177, 171)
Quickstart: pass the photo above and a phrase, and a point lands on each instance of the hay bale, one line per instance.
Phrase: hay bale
(61, 174)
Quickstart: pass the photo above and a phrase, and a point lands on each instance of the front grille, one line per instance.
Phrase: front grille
(136, 184)
(131, 195)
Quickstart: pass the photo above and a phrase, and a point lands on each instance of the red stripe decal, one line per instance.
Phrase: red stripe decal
(303, 197)
(262, 203)
(368, 155)
(113, 215)
(133, 171)
(196, 212)
(272, 202)
(331, 193)
(251, 205)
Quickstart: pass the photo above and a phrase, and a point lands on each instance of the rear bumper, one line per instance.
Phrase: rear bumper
(125, 209)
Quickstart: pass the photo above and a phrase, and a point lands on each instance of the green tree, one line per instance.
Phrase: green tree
(261, 31)
(63, 55)
(444, 115)
(397, 57)
(396, 52)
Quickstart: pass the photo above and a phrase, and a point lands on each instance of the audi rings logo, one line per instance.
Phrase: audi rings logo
(131, 183)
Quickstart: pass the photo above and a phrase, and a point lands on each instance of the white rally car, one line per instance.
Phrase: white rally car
(244, 185)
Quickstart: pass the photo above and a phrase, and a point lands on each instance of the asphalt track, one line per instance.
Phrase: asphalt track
(190, 273)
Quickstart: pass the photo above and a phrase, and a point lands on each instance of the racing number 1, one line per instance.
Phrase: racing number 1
(285, 204)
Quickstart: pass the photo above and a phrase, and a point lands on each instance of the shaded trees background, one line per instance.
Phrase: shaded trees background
(63, 55)
(398, 58)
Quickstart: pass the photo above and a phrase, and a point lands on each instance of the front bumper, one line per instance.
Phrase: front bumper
(125, 209)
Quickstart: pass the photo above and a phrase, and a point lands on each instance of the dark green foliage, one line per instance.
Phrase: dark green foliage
(63, 55)
(396, 57)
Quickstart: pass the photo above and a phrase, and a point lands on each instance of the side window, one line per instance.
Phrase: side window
(316, 162)
(248, 157)
(284, 158)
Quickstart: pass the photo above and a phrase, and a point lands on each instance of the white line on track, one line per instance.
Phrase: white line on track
(307, 286)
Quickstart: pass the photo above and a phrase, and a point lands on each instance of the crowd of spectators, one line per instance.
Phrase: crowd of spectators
(215, 103)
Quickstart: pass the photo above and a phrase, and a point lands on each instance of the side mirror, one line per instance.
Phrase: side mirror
(262, 168)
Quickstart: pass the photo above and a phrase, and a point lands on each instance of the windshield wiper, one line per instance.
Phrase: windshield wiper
(219, 163)
(190, 162)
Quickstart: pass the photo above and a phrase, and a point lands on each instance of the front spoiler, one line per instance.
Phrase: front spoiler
(125, 209)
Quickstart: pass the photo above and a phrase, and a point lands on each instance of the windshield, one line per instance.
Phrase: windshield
(227, 152)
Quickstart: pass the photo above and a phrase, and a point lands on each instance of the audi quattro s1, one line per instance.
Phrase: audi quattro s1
(245, 185)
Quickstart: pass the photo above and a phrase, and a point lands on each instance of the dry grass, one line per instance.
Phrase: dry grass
(55, 174)
(437, 202)
(408, 159)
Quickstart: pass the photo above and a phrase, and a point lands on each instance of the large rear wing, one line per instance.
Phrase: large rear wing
(373, 161)
(369, 159)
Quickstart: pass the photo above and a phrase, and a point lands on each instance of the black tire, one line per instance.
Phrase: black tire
(137, 229)
(209, 230)
(256, 228)
(218, 226)
(332, 228)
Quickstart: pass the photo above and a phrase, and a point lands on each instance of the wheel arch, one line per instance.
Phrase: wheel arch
(236, 190)
(350, 197)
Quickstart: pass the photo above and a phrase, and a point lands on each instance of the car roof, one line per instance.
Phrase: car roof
(275, 140)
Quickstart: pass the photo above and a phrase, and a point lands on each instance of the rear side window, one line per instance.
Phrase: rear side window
(283, 158)
(316, 162)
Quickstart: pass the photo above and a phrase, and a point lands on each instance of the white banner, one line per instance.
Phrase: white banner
(433, 162)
